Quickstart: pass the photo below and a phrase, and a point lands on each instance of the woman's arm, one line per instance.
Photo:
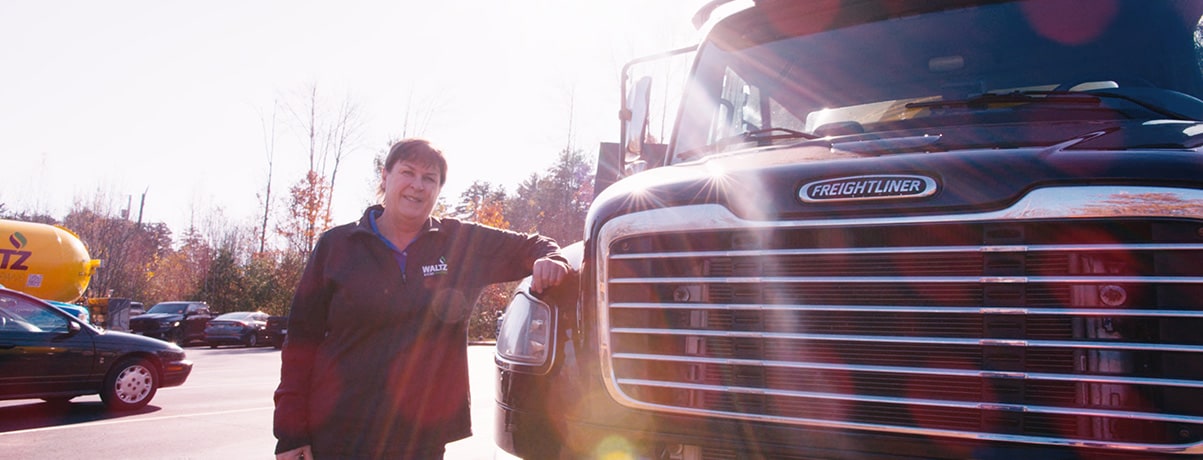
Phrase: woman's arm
(306, 329)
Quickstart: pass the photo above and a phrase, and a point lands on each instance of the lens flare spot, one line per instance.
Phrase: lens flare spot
(615, 448)
(1068, 22)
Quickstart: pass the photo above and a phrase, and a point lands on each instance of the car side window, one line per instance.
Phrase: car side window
(18, 314)
(9, 319)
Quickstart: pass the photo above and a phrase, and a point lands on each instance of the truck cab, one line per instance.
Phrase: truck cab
(889, 229)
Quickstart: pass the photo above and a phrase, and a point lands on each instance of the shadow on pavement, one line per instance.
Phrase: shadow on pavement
(48, 414)
(234, 350)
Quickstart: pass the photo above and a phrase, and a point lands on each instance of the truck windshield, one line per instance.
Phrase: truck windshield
(170, 308)
(1000, 63)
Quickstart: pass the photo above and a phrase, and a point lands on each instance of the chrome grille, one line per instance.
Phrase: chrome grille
(143, 324)
(1054, 322)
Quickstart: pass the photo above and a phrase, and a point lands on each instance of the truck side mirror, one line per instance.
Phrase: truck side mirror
(632, 153)
(621, 159)
(635, 125)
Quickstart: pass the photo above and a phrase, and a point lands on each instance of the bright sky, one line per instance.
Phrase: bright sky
(169, 97)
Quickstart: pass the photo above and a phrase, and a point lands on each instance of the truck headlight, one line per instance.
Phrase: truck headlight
(526, 342)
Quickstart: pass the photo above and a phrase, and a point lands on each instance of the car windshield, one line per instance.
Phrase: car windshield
(174, 308)
(237, 316)
(993, 64)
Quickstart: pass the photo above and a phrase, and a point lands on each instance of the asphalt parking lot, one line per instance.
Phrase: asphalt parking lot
(223, 411)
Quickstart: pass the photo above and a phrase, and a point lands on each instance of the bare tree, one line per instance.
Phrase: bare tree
(269, 147)
(330, 136)
(303, 230)
(418, 115)
(345, 136)
(568, 147)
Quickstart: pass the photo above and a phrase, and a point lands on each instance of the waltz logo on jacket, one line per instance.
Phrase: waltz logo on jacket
(435, 269)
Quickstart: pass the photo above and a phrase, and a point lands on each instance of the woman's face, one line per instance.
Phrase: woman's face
(410, 190)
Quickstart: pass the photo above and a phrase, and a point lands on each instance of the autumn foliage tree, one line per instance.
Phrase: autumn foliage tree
(127, 251)
(305, 216)
(178, 275)
(484, 203)
(269, 279)
(554, 203)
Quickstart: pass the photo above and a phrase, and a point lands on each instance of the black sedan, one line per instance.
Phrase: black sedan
(50, 355)
(247, 328)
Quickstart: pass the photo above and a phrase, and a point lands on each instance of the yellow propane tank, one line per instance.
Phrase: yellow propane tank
(45, 261)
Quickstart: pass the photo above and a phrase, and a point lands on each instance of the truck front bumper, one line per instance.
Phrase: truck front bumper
(550, 417)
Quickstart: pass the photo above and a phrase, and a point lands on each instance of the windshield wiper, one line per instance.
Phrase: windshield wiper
(762, 137)
(984, 101)
(766, 134)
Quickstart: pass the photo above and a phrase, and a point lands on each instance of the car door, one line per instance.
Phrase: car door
(42, 350)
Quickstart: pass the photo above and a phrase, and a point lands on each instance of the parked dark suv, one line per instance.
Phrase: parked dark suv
(179, 322)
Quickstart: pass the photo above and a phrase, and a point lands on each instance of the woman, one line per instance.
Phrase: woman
(375, 364)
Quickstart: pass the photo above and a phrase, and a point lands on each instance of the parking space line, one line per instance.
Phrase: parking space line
(132, 420)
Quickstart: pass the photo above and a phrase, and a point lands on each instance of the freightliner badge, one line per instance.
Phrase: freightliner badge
(877, 187)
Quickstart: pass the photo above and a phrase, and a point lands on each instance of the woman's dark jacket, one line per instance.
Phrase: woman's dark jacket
(375, 363)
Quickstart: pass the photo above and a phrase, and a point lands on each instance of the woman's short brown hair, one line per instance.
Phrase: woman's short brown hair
(419, 151)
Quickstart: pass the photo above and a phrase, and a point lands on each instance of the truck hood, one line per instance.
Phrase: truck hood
(962, 169)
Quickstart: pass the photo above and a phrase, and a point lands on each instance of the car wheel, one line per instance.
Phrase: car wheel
(252, 340)
(130, 385)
